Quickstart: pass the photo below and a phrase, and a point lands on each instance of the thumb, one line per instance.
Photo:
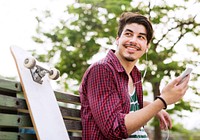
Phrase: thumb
(175, 81)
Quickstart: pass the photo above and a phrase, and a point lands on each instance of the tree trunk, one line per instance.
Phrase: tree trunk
(157, 130)
(157, 133)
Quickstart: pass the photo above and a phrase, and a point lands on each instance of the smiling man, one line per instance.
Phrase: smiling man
(112, 106)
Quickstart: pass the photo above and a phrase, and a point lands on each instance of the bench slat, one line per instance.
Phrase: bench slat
(67, 98)
(70, 113)
(20, 136)
(75, 138)
(13, 103)
(12, 120)
(72, 125)
(16, 136)
(11, 86)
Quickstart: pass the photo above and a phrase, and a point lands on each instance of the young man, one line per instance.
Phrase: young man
(112, 106)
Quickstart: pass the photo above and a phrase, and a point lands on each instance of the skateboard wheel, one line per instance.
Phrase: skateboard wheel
(30, 62)
(54, 74)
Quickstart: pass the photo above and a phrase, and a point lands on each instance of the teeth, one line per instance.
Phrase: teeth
(132, 47)
(128, 45)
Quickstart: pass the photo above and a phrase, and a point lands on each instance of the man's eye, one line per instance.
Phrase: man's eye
(128, 34)
(141, 37)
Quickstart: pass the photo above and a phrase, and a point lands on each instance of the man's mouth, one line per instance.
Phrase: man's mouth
(132, 47)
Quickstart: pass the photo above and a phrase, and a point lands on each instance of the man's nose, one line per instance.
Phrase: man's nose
(134, 40)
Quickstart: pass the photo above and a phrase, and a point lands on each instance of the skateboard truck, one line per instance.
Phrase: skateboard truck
(39, 72)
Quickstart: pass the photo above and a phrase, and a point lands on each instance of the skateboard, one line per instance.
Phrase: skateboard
(40, 98)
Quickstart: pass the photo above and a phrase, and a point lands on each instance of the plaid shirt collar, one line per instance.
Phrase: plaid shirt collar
(112, 57)
(135, 74)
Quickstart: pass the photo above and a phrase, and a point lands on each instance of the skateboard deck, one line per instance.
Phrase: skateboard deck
(41, 101)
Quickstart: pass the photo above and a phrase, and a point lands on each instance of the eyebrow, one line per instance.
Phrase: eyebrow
(133, 32)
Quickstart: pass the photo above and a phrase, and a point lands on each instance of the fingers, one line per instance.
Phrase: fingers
(165, 121)
(183, 86)
(168, 122)
(179, 81)
(174, 91)
(163, 124)
(183, 81)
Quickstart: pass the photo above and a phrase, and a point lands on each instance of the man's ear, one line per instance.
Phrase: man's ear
(148, 46)
(117, 41)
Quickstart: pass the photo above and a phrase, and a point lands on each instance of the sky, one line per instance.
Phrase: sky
(17, 26)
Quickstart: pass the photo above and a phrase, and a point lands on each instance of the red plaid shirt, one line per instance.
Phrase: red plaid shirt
(105, 99)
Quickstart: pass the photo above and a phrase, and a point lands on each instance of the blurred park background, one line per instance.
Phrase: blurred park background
(71, 35)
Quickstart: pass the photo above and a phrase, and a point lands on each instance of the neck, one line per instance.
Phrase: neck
(127, 65)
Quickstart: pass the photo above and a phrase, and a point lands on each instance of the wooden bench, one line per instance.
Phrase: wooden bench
(15, 122)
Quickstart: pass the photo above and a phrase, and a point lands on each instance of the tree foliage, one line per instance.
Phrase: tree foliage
(90, 25)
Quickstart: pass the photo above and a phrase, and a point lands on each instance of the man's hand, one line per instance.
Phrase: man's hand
(173, 91)
(164, 119)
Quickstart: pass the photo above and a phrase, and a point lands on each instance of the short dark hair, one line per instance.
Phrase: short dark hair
(130, 17)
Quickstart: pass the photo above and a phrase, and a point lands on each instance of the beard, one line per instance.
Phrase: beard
(129, 59)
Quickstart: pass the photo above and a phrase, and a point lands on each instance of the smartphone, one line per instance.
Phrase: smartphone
(185, 74)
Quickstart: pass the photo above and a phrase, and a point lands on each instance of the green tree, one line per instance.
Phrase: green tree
(79, 36)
